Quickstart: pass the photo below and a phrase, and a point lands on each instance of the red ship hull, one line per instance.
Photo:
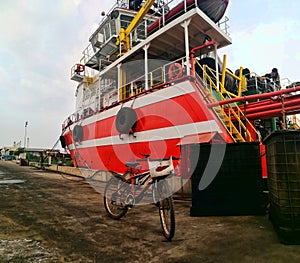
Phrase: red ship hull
(164, 118)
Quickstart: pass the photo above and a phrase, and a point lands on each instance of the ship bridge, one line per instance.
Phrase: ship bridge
(167, 37)
(189, 30)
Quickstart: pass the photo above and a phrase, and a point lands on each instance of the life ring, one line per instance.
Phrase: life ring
(77, 133)
(126, 120)
(79, 68)
(175, 71)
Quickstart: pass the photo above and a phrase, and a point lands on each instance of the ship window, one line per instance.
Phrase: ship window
(103, 33)
(125, 20)
(113, 27)
(107, 31)
(141, 31)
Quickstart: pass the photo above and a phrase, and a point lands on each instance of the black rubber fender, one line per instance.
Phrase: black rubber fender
(126, 120)
(63, 142)
(78, 133)
(114, 14)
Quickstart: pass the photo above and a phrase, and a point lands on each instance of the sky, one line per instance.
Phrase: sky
(265, 34)
(41, 40)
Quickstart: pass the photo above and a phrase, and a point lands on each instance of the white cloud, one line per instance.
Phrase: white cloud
(266, 38)
(39, 42)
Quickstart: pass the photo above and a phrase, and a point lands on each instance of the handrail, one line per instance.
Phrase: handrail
(242, 83)
(224, 23)
(235, 113)
(192, 53)
(155, 77)
(212, 72)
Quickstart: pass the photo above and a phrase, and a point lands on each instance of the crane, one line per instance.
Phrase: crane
(123, 39)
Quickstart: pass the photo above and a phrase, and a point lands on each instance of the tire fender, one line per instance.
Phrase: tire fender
(63, 141)
(126, 120)
(77, 133)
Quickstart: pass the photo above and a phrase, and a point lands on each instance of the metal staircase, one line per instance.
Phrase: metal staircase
(230, 115)
(233, 129)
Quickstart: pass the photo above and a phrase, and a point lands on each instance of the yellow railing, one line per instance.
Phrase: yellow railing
(134, 87)
(232, 117)
(242, 82)
(157, 76)
(125, 92)
(90, 80)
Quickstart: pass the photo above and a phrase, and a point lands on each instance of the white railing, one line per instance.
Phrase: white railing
(88, 53)
(86, 111)
(223, 25)
(262, 84)
(285, 82)
(156, 77)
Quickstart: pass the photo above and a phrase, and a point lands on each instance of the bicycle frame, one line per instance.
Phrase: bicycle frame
(124, 191)
(158, 169)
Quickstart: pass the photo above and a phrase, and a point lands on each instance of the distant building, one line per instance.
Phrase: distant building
(9, 150)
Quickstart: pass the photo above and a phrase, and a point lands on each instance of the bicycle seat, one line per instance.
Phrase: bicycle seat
(132, 164)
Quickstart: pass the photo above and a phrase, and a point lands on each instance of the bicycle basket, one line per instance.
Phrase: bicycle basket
(161, 168)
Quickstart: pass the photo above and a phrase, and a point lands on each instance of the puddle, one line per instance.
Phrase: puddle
(12, 181)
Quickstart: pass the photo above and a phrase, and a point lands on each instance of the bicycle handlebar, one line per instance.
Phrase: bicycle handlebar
(145, 154)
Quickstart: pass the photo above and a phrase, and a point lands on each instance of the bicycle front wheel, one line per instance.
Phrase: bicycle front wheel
(166, 211)
(114, 198)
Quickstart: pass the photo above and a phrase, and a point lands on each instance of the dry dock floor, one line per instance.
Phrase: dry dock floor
(50, 217)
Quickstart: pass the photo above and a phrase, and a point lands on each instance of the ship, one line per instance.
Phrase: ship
(151, 81)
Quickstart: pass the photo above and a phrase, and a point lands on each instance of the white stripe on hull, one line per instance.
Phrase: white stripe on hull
(158, 96)
(172, 132)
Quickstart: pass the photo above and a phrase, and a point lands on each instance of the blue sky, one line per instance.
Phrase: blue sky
(265, 35)
(40, 40)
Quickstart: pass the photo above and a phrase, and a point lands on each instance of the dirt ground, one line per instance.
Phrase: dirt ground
(50, 217)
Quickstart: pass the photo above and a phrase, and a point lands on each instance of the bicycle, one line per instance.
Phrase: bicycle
(124, 191)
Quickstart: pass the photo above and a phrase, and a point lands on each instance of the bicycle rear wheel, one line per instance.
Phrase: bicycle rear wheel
(166, 210)
(114, 198)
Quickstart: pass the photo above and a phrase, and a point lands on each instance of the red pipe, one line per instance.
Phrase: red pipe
(274, 113)
(271, 106)
(192, 53)
(254, 97)
(269, 101)
(255, 104)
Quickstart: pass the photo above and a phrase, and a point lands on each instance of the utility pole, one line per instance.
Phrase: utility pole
(25, 137)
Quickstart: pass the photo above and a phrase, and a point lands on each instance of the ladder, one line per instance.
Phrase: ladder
(231, 116)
